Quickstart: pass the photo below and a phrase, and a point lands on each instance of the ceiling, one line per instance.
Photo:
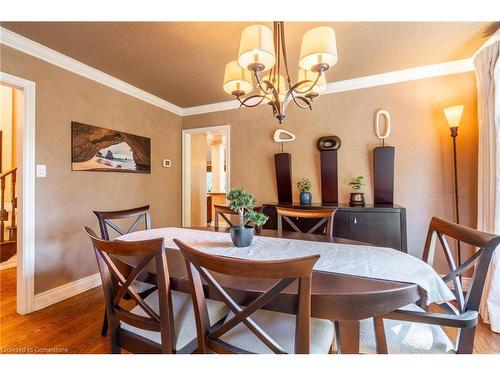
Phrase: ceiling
(183, 62)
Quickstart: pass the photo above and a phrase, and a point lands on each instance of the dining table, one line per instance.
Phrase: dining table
(351, 281)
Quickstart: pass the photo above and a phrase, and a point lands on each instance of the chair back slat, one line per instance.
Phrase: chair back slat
(439, 230)
(106, 220)
(116, 284)
(324, 216)
(457, 285)
(225, 213)
(202, 266)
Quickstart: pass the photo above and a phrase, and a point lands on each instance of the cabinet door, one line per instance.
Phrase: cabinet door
(378, 228)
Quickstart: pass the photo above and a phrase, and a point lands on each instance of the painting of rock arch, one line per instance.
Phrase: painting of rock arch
(98, 149)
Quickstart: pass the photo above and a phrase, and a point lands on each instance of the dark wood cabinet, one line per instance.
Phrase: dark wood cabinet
(381, 225)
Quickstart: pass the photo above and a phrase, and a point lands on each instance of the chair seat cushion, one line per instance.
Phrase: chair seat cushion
(141, 286)
(281, 328)
(406, 337)
(184, 320)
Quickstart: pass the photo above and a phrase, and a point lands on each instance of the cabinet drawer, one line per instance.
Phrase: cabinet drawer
(378, 228)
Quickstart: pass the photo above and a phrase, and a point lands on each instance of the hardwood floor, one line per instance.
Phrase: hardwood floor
(74, 325)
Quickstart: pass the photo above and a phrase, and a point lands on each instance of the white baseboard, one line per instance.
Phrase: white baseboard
(12, 262)
(65, 291)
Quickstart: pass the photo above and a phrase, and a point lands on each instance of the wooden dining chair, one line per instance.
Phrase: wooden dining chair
(108, 221)
(415, 330)
(225, 213)
(250, 328)
(324, 216)
(164, 321)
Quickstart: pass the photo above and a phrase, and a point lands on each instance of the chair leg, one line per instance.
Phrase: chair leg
(466, 340)
(378, 323)
(113, 340)
(104, 329)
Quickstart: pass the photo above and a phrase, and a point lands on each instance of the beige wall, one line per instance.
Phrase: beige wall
(424, 182)
(65, 199)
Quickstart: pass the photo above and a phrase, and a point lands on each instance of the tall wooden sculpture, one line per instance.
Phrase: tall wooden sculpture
(383, 163)
(283, 167)
(328, 147)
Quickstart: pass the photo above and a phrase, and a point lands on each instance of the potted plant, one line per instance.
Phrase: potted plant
(304, 188)
(258, 218)
(357, 197)
(242, 203)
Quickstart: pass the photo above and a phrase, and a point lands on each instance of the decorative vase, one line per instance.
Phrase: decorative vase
(357, 199)
(241, 236)
(305, 198)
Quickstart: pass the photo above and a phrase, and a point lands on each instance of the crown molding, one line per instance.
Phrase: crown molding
(397, 76)
(44, 53)
(405, 75)
(214, 107)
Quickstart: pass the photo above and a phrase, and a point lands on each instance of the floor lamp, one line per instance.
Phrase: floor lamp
(453, 116)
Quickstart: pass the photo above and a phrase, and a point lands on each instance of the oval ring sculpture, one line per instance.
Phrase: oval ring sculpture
(328, 143)
(277, 136)
(387, 115)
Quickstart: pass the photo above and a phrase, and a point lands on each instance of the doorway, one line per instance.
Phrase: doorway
(205, 173)
(9, 105)
(17, 189)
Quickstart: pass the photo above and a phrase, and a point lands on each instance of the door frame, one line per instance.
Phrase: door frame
(25, 132)
(186, 165)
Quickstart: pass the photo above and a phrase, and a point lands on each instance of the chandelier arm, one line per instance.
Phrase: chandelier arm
(268, 84)
(307, 102)
(285, 59)
(293, 90)
(295, 100)
(244, 101)
(306, 90)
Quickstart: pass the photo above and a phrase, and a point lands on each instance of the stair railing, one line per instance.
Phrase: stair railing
(4, 215)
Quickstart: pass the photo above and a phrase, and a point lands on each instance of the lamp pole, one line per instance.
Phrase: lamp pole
(454, 133)
(453, 116)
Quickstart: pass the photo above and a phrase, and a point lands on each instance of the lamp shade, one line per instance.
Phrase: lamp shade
(279, 84)
(256, 47)
(318, 47)
(318, 88)
(453, 115)
(236, 79)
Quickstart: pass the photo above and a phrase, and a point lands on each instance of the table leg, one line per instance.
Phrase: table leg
(347, 336)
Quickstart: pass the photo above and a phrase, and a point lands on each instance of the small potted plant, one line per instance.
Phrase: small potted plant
(357, 198)
(258, 218)
(242, 203)
(304, 188)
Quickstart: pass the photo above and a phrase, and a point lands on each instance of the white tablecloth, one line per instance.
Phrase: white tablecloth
(368, 261)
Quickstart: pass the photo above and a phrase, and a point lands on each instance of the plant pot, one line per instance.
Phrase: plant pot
(305, 198)
(241, 236)
(357, 199)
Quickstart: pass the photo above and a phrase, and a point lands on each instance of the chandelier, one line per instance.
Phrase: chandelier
(262, 50)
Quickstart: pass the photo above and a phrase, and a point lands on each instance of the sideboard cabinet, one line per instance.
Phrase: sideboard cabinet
(380, 225)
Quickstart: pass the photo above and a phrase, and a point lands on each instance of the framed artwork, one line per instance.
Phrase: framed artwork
(99, 149)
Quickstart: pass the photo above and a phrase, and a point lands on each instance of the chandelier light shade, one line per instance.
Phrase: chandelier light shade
(256, 48)
(454, 115)
(318, 47)
(264, 50)
(315, 90)
(237, 81)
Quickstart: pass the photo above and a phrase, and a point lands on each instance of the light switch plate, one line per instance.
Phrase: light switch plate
(167, 163)
(41, 170)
